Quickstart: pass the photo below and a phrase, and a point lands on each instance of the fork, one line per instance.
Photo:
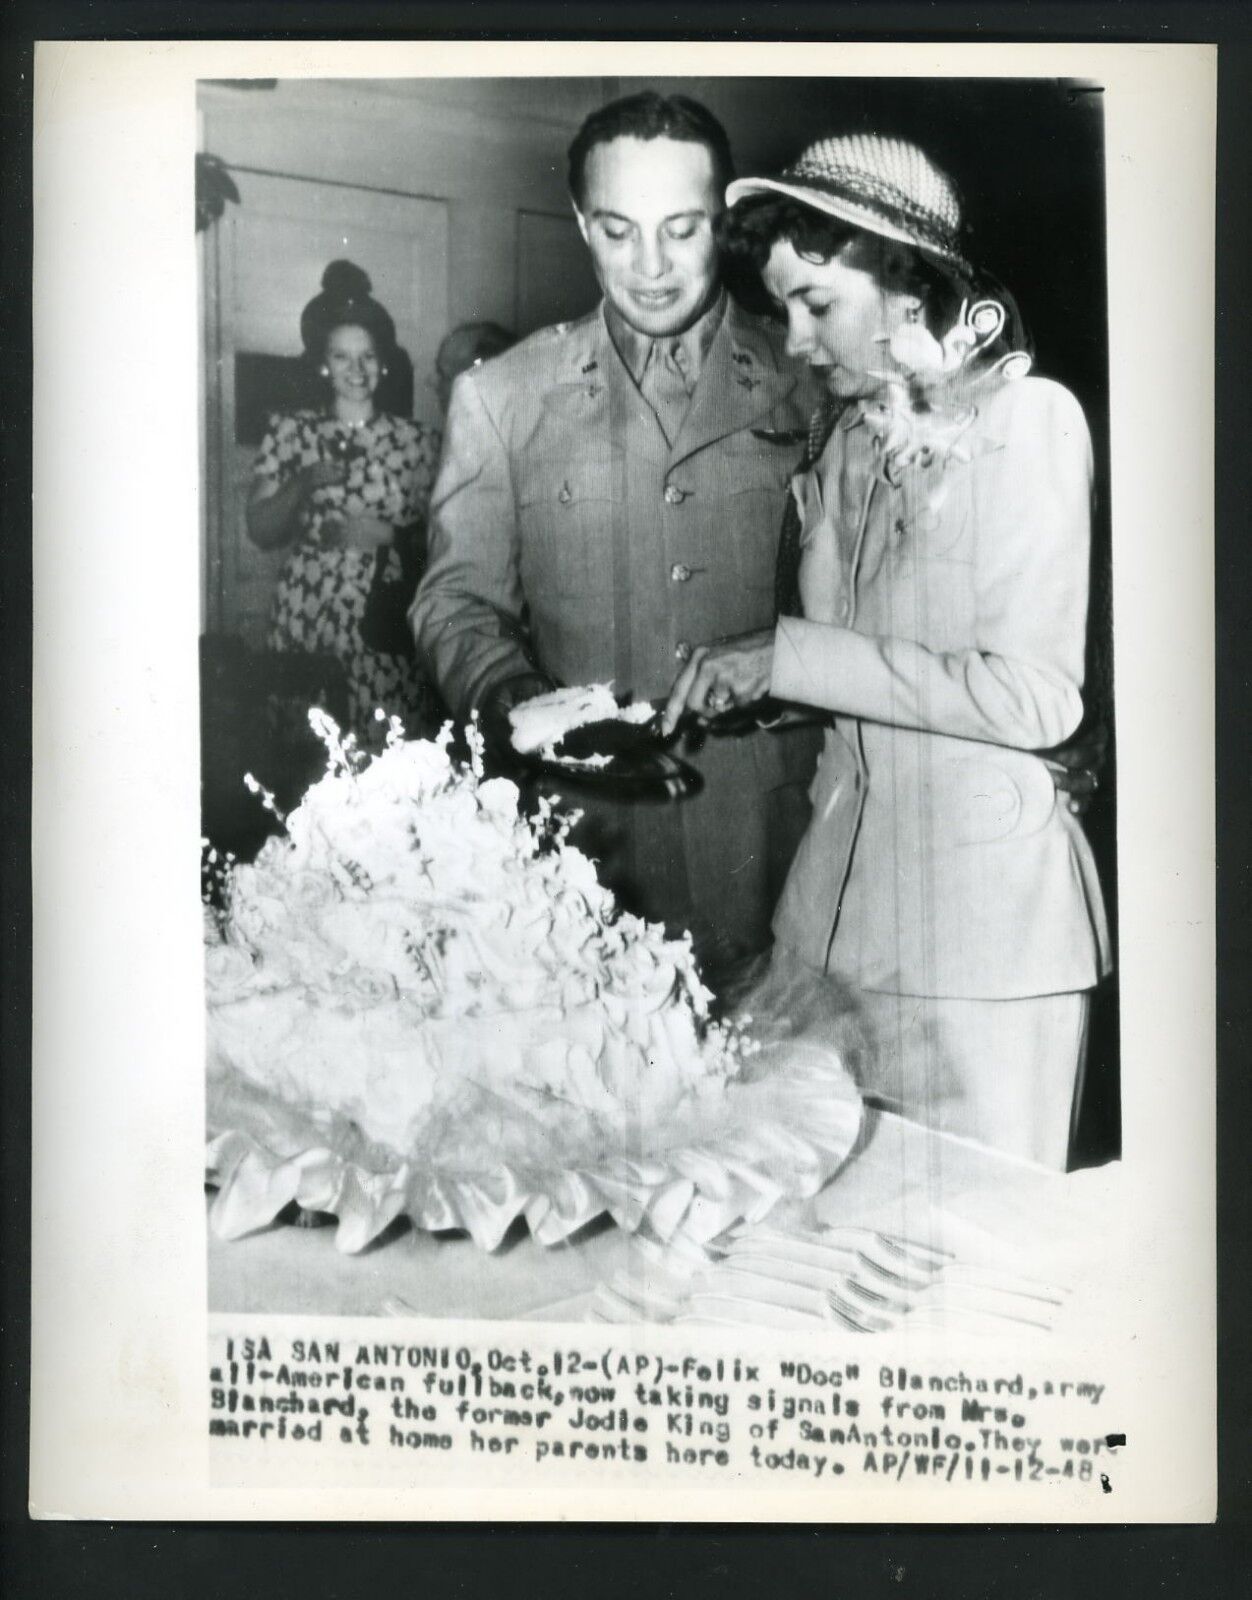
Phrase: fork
(909, 1265)
(860, 1321)
(854, 1319)
(903, 1249)
(959, 1275)
(888, 1311)
(842, 1241)
(945, 1264)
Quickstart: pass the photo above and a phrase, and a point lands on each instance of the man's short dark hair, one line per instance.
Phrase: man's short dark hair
(651, 116)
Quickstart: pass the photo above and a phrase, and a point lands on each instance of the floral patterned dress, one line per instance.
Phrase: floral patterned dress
(321, 594)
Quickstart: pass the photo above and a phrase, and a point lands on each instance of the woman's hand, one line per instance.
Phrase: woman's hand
(722, 677)
(322, 474)
(273, 514)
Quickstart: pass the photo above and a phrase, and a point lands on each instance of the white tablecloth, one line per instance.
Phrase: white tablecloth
(985, 1207)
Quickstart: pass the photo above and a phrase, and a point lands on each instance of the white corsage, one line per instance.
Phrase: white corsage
(929, 396)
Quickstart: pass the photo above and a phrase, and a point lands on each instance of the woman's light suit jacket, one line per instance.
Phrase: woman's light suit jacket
(944, 625)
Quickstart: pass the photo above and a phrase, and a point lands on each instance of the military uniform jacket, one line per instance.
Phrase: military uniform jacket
(944, 624)
(567, 534)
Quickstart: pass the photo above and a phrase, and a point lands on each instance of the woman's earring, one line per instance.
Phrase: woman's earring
(325, 372)
(913, 313)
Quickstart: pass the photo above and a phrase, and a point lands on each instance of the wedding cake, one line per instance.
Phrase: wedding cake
(429, 974)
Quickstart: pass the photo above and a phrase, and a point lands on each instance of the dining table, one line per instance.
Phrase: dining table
(961, 1201)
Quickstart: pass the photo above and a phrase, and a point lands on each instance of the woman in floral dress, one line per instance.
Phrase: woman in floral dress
(350, 484)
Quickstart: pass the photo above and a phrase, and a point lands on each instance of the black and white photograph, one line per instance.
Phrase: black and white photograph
(665, 982)
(684, 505)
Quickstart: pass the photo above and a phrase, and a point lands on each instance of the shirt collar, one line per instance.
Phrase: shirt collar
(636, 348)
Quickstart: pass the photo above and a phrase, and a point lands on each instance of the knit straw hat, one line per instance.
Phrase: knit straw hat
(886, 186)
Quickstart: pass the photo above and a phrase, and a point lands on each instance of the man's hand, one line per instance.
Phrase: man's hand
(1076, 766)
(493, 714)
(722, 677)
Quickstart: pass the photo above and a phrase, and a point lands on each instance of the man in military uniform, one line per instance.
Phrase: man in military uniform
(610, 496)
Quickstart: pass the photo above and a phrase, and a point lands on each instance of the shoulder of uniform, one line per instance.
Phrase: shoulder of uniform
(757, 337)
(759, 322)
(758, 319)
(562, 330)
(532, 357)
(554, 339)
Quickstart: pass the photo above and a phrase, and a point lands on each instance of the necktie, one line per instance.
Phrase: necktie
(664, 385)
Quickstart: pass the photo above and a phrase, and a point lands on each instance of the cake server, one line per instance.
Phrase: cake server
(612, 737)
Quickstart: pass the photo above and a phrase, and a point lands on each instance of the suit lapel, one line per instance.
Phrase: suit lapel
(740, 383)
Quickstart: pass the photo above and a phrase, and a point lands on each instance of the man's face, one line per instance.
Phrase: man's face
(647, 217)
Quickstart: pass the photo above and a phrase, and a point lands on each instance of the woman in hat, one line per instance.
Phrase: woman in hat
(933, 591)
(350, 484)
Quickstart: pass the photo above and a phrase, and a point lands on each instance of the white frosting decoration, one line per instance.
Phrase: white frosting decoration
(540, 724)
(417, 957)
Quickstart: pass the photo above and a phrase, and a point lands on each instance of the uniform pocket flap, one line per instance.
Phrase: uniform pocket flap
(564, 484)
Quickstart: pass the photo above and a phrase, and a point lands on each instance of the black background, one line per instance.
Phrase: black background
(141, 1561)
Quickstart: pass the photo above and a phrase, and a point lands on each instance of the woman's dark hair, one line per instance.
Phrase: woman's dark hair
(346, 301)
(750, 230)
(651, 116)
